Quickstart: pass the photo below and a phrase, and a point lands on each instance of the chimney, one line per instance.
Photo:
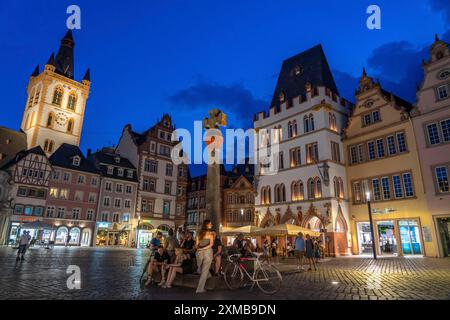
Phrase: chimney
(89, 151)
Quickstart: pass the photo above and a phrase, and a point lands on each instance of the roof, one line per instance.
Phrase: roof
(11, 142)
(407, 106)
(22, 154)
(309, 66)
(105, 157)
(64, 61)
(63, 157)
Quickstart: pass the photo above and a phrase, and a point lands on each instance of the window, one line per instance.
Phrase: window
(442, 92)
(152, 185)
(75, 214)
(51, 211)
(376, 189)
(53, 192)
(115, 217)
(106, 201)
(94, 181)
(407, 182)
(281, 160)
(445, 127)
(164, 150)
(180, 171)
(50, 120)
(108, 186)
(442, 179)
(367, 119)
(386, 188)
(78, 195)
(295, 157)
(49, 145)
(110, 170)
(380, 148)
(312, 153)
(18, 209)
(166, 207)
(151, 166)
(391, 145)
(127, 203)
(92, 198)
(305, 124)
(120, 172)
(126, 217)
(335, 152)
(61, 212)
(81, 179)
(119, 187)
(118, 203)
(128, 189)
(130, 173)
(398, 192)
(90, 214)
(433, 134)
(70, 125)
(357, 192)
(444, 74)
(57, 96)
(169, 169)
(105, 216)
(38, 211)
(64, 194)
(376, 116)
(311, 122)
(401, 142)
(360, 153)
(353, 155)
(167, 187)
(72, 101)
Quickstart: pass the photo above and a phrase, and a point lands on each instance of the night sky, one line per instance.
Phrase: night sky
(184, 57)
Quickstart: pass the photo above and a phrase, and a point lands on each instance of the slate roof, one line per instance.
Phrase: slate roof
(22, 154)
(103, 158)
(63, 157)
(308, 66)
(11, 142)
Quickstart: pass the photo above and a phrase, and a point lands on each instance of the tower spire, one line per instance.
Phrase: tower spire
(87, 75)
(64, 58)
(35, 72)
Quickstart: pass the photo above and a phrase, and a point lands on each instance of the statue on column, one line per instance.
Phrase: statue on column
(214, 142)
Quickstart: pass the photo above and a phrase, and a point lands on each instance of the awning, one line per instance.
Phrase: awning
(286, 229)
(245, 230)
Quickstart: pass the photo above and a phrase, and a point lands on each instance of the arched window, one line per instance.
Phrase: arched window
(49, 145)
(70, 125)
(341, 188)
(290, 130)
(311, 122)
(336, 187)
(306, 123)
(57, 96)
(72, 101)
(301, 193)
(318, 188)
(283, 193)
(294, 191)
(275, 189)
(37, 95)
(230, 198)
(50, 120)
(311, 189)
(31, 98)
(249, 197)
(280, 133)
(294, 124)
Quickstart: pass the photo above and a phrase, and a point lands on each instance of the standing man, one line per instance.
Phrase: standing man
(309, 248)
(170, 244)
(300, 250)
(68, 239)
(23, 245)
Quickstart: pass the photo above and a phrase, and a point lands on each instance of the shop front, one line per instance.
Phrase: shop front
(113, 234)
(395, 237)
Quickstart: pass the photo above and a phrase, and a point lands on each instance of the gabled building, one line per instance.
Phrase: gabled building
(29, 174)
(162, 184)
(11, 142)
(72, 199)
(431, 120)
(383, 162)
(116, 223)
(305, 185)
(55, 106)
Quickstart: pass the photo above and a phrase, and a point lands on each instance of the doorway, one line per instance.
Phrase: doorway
(444, 234)
(386, 234)
(410, 236)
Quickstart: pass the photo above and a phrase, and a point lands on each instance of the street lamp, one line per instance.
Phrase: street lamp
(372, 234)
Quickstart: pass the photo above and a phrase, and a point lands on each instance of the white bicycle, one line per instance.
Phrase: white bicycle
(265, 276)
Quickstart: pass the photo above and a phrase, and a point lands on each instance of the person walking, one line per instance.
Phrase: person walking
(309, 247)
(170, 244)
(68, 239)
(204, 243)
(300, 250)
(23, 245)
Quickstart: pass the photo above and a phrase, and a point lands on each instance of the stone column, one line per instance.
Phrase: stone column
(213, 199)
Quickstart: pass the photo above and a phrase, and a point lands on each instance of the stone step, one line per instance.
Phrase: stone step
(191, 281)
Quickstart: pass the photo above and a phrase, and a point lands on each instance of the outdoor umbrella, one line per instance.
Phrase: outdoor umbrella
(245, 230)
(285, 229)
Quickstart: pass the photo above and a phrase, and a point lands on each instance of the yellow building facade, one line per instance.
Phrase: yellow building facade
(382, 161)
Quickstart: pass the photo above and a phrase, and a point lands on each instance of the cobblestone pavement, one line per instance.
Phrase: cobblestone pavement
(114, 274)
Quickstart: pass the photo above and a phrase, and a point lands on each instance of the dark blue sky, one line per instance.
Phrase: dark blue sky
(183, 57)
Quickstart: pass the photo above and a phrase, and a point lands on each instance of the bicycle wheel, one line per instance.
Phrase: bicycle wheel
(268, 279)
(233, 276)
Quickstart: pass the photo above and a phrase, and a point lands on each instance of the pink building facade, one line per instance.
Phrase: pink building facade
(431, 121)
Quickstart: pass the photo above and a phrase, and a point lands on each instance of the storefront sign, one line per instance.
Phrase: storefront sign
(103, 225)
(426, 234)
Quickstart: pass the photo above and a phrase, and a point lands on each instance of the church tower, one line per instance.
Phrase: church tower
(54, 111)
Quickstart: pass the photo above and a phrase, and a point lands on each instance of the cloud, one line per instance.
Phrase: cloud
(235, 100)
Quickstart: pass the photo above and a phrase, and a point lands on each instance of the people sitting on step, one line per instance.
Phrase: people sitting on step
(183, 264)
(159, 262)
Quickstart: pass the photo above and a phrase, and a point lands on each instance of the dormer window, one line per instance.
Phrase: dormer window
(120, 172)
(110, 170)
(117, 159)
(444, 74)
(130, 173)
(76, 161)
(281, 96)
